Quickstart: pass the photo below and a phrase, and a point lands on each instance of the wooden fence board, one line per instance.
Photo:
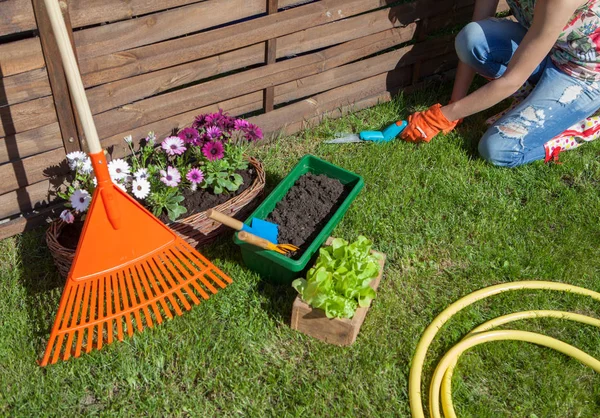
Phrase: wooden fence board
(91, 12)
(25, 116)
(143, 112)
(24, 87)
(129, 34)
(28, 221)
(20, 56)
(16, 16)
(105, 68)
(30, 170)
(111, 95)
(28, 143)
(25, 199)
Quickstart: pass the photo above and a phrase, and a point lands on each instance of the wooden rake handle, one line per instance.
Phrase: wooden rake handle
(257, 241)
(73, 76)
(224, 219)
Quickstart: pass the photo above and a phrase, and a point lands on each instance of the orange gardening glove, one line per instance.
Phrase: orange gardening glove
(423, 126)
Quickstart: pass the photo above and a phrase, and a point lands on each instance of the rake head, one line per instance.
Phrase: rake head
(126, 278)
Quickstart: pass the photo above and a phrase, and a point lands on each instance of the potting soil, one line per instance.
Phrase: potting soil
(306, 209)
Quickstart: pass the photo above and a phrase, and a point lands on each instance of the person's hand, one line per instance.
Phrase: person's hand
(423, 126)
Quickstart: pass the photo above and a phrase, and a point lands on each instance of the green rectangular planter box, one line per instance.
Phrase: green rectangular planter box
(275, 267)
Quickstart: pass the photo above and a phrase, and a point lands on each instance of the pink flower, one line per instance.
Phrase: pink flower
(195, 176)
(199, 121)
(213, 133)
(171, 177)
(213, 150)
(173, 145)
(241, 124)
(67, 216)
(189, 136)
(253, 133)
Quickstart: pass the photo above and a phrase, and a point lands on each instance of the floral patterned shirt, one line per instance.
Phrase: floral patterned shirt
(577, 50)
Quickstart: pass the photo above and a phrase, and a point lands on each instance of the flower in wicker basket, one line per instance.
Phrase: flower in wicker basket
(207, 158)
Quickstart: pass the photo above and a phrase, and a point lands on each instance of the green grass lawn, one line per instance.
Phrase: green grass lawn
(449, 223)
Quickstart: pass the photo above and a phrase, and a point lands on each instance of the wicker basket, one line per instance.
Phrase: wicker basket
(197, 229)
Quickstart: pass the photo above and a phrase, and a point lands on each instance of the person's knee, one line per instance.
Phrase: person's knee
(469, 44)
(496, 151)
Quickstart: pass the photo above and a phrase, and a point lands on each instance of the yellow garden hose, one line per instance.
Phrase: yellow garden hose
(443, 374)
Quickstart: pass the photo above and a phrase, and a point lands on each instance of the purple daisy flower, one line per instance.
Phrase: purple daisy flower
(189, 136)
(171, 177)
(213, 133)
(199, 121)
(195, 176)
(173, 145)
(253, 133)
(213, 150)
(241, 124)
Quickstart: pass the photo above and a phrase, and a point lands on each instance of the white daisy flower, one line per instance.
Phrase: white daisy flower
(86, 166)
(118, 169)
(67, 216)
(80, 200)
(142, 173)
(140, 188)
(128, 139)
(74, 158)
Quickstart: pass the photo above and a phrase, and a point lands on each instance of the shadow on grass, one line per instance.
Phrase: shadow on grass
(42, 283)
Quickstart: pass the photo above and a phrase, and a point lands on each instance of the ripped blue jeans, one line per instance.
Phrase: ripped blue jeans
(557, 102)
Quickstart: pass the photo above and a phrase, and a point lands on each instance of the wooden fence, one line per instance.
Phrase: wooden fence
(152, 65)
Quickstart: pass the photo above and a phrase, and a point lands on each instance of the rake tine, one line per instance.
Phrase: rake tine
(125, 299)
(134, 301)
(169, 255)
(189, 277)
(159, 276)
(140, 279)
(71, 332)
(90, 336)
(100, 338)
(83, 319)
(174, 278)
(168, 278)
(117, 300)
(156, 290)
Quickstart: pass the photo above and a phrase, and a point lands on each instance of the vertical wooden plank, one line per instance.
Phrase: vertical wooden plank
(270, 58)
(56, 75)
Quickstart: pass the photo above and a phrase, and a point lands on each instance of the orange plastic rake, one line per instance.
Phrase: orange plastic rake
(129, 270)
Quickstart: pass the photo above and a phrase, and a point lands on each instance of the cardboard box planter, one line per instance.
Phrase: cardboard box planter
(279, 269)
(338, 331)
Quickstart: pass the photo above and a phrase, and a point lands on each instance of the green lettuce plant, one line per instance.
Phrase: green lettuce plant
(339, 281)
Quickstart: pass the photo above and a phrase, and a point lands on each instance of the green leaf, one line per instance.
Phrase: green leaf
(339, 281)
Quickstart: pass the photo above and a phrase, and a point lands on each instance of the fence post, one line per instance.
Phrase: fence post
(270, 58)
(58, 82)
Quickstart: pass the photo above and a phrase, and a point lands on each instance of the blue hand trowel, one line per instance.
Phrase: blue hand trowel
(260, 228)
(388, 134)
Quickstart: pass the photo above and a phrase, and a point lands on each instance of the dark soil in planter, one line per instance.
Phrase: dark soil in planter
(306, 208)
(201, 200)
(195, 202)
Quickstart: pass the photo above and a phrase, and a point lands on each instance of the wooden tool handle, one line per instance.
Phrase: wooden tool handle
(73, 76)
(224, 219)
(254, 240)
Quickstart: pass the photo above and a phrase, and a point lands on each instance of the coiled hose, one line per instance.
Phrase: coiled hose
(442, 377)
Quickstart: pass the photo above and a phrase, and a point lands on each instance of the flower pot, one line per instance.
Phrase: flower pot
(337, 331)
(277, 268)
(196, 229)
